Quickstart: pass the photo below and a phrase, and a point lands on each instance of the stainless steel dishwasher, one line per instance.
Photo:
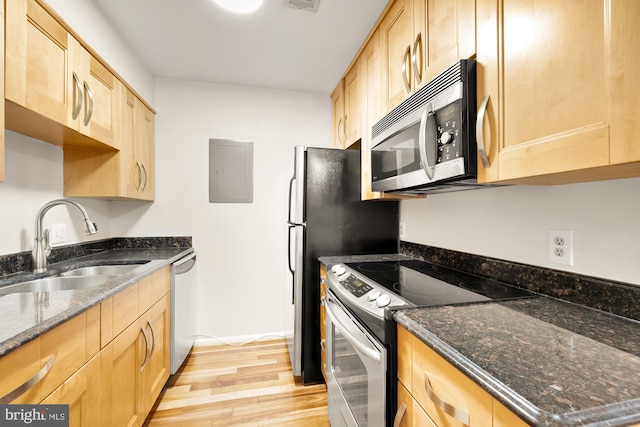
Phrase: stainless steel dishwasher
(183, 309)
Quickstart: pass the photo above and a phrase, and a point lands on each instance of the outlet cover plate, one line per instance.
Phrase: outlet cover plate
(560, 243)
(57, 233)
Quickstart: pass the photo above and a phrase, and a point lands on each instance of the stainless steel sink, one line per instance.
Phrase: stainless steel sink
(101, 270)
(50, 284)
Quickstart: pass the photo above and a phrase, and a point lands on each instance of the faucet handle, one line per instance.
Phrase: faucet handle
(47, 245)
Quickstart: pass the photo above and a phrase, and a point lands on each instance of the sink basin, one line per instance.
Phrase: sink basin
(50, 284)
(101, 270)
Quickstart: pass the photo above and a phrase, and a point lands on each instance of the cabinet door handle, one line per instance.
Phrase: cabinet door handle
(443, 405)
(340, 131)
(88, 112)
(146, 347)
(153, 338)
(417, 52)
(406, 70)
(79, 97)
(29, 384)
(482, 111)
(146, 179)
(402, 409)
(139, 176)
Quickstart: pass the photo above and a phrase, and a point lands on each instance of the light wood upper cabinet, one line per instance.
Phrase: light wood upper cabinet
(124, 174)
(397, 50)
(563, 88)
(337, 108)
(50, 73)
(449, 34)
(59, 91)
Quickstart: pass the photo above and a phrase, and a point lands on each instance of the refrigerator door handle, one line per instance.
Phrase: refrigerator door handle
(290, 194)
(291, 227)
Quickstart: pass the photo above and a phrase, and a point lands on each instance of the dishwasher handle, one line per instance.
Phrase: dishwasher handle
(183, 265)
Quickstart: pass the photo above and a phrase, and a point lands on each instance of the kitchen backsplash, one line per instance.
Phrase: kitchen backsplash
(614, 297)
(21, 262)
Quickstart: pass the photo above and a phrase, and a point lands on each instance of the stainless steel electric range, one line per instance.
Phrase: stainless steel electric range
(361, 335)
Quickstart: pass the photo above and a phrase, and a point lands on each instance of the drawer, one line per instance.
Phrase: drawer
(445, 393)
(18, 367)
(72, 344)
(410, 414)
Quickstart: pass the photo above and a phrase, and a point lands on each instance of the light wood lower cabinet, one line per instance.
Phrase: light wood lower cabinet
(82, 393)
(323, 322)
(431, 387)
(109, 364)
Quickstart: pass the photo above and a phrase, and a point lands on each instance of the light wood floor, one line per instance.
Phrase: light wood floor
(247, 385)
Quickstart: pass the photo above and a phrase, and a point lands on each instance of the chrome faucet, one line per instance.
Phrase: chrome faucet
(41, 247)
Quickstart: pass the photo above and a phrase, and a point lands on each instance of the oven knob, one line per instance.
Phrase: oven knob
(338, 269)
(383, 300)
(373, 295)
(446, 137)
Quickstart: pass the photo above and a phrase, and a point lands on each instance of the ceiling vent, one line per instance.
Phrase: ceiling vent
(308, 5)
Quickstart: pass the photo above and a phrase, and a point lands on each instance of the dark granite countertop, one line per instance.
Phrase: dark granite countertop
(23, 319)
(552, 362)
(330, 260)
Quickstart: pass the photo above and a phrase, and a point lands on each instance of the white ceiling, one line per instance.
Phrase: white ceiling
(276, 47)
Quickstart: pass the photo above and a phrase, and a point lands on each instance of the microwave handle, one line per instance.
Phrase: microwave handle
(428, 135)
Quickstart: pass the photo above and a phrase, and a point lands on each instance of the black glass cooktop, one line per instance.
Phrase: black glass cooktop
(426, 284)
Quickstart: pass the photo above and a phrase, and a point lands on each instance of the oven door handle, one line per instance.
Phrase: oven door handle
(353, 340)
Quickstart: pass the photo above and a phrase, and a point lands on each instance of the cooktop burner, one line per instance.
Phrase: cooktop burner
(426, 285)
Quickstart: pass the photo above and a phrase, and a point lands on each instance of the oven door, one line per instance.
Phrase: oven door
(356, 370)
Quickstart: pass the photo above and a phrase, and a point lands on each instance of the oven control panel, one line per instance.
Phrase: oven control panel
(359, 290)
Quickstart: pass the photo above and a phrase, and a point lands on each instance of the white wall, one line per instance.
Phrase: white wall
(241, 248)
(512, 223)
(33, 176)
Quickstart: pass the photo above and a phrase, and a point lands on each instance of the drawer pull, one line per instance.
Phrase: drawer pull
(29, 384)
(402, 408)
(446, 407)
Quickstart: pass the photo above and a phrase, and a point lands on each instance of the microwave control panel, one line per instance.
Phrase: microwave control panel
(449, 121)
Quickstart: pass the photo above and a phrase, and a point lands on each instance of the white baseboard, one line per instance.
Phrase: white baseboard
(237, 340)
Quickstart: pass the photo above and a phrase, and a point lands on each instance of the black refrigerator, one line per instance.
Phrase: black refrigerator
(326, 218)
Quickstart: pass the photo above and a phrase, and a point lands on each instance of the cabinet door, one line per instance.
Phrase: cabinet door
(396, 40)
(144, 149)
(337, 104)
(82, 393)
(449, 34)
(98, 118)
(37, 52)
(121, 363)
(562, 82)
(353, 97)
(156, 369)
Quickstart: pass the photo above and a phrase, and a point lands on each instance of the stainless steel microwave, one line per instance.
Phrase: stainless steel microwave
(427, 143)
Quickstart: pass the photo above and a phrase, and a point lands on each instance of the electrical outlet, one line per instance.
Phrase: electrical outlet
(561, 246)
(403, 228)
(57, 233)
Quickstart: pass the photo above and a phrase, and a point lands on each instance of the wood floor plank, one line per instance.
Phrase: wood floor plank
(239, 385)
